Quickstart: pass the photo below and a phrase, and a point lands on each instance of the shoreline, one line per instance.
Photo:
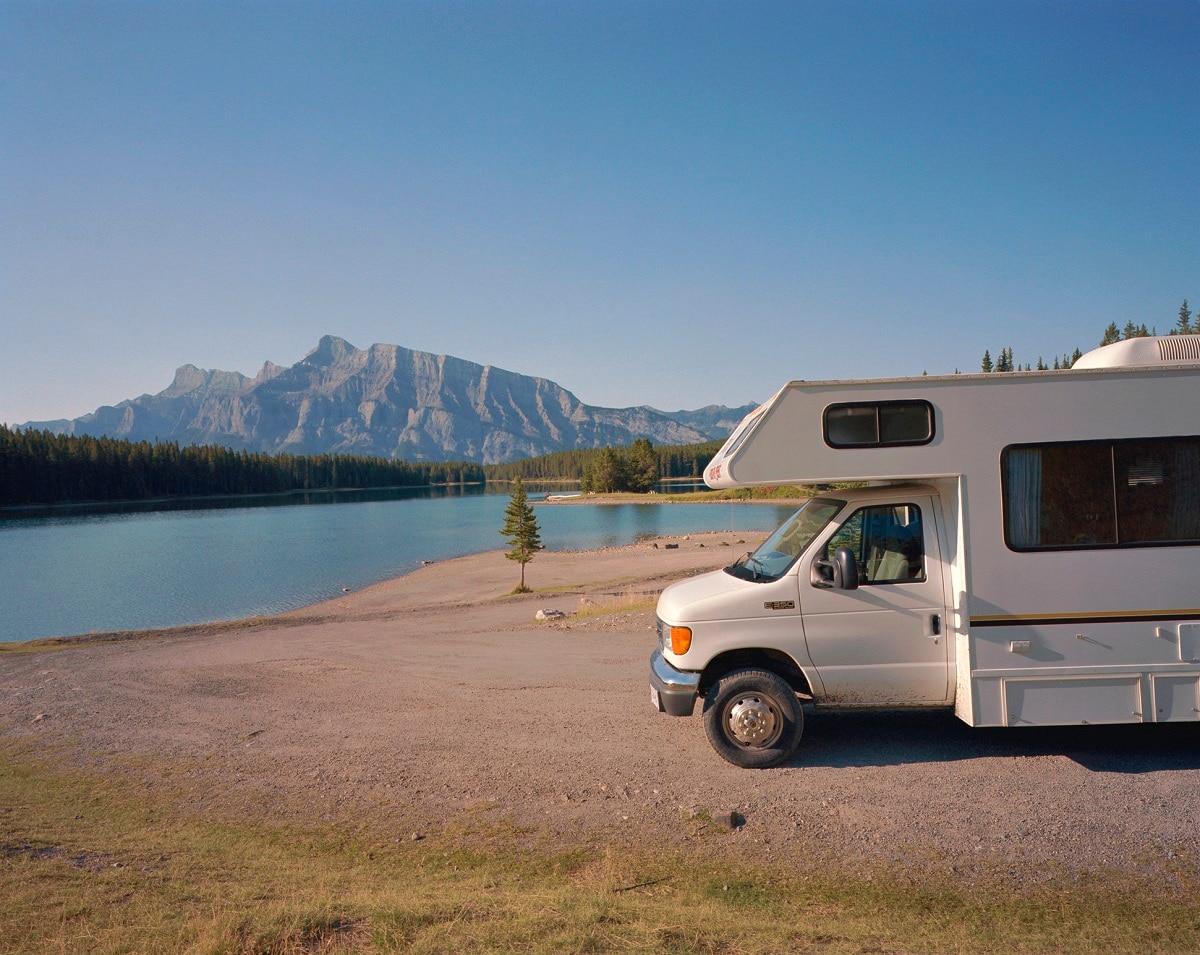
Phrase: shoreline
(202, 501)
(653, 497)
(680, 554)
(49, 608)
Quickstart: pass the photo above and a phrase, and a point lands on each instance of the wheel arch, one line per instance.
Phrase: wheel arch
(762, 658)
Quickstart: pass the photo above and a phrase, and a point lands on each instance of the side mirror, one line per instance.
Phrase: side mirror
(841, 573)
(845, 569)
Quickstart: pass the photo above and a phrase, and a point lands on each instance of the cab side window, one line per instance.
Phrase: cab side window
(887, 541)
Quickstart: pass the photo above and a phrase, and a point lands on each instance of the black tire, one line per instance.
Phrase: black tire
(753, 719)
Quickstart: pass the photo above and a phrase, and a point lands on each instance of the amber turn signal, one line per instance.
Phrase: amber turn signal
(681, 640)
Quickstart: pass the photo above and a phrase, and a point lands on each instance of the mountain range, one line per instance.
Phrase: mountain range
(391, 402)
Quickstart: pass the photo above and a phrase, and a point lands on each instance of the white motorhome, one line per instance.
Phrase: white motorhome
(1022, 547)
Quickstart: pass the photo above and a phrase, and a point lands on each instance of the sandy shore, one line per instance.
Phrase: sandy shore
(411, 703)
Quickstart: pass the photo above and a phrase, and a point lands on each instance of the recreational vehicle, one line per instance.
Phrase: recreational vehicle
(1021, 547)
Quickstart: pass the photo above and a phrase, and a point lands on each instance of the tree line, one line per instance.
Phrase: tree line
(611, 468)
(1185, 324)
(39, 467)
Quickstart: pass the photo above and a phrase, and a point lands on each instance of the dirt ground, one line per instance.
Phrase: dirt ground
(434, 695)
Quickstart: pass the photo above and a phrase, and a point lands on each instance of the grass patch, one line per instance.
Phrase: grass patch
(628, 601)
(90, 865)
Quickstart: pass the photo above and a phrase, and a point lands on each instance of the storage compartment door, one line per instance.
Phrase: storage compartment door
(1073, 700)
(1176, 698)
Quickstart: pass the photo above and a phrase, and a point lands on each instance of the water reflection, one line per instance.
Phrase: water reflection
(283, 499)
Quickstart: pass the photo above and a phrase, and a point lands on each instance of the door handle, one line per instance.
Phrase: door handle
(934, 628)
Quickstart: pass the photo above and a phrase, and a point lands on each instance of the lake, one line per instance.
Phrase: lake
(77, 571)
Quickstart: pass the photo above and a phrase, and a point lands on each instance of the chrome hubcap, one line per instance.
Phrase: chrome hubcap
(753, 721)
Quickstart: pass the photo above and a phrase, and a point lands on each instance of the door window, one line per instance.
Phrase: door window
(887, 542)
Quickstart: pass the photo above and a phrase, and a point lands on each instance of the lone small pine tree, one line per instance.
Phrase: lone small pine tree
(521, 528)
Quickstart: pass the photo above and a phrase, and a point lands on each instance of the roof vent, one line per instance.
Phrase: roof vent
(1141, 352)
(1179, 348)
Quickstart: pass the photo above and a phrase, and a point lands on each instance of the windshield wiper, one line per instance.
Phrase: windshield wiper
(748, 562)
(756, 567)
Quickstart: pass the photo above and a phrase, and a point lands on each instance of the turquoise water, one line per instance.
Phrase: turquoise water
(78, 572)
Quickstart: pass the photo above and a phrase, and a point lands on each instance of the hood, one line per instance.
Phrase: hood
(720, 596)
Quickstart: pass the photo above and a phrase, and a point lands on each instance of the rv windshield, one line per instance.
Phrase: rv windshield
(779, 551)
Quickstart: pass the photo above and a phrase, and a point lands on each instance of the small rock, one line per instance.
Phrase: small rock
(729, 820)
(40, 718)
(672, 547)
(416, 837)
(549, 615)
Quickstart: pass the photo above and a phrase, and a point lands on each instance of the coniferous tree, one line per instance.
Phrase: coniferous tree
(642, 467)
(38, 467)
(1183, 325)
(521, 529)
(606, 474)
(986, 364)
(1111, 334)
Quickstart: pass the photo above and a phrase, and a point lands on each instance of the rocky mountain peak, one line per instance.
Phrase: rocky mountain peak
(386, 401)
(329, 351)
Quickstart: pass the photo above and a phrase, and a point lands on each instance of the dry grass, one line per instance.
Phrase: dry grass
(89, 867)
(628, 600)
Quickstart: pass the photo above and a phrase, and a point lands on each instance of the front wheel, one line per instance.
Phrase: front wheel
(753, 719)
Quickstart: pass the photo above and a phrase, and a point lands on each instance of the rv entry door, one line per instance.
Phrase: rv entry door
(883, 642)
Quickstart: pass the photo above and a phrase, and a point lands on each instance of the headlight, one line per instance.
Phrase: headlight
(677, 640)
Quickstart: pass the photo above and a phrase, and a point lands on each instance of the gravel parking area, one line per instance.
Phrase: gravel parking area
(423, 699)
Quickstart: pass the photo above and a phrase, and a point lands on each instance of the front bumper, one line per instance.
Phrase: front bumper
(672, 691)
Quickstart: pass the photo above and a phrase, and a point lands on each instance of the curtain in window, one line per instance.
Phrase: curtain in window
(1185, 509)
(1024, 476)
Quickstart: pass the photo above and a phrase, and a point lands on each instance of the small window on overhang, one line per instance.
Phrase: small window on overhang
(875, 424)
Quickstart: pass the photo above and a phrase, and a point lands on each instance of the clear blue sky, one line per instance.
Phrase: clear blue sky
(665, 203)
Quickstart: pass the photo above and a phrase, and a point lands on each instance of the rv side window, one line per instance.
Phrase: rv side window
(886, 541)
(877, 423)
(1101, 493)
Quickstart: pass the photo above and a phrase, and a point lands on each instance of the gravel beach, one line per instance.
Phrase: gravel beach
(438, 694)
